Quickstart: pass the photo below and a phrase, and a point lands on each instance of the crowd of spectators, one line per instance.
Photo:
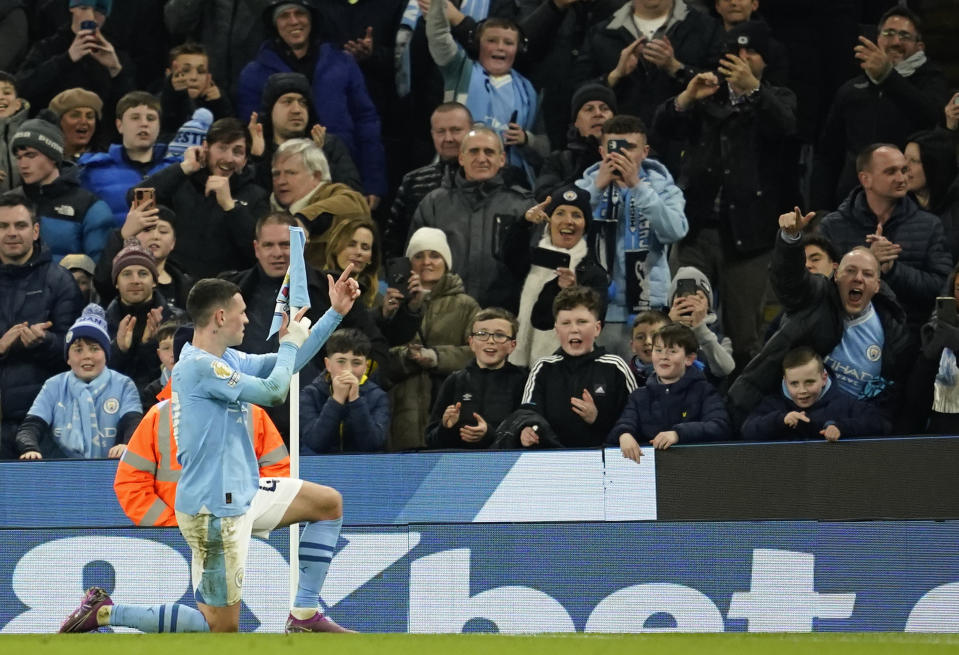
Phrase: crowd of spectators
(573, 223)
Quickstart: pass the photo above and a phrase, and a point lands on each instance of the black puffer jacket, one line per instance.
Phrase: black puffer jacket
(814, 317)
(35, 292)
(922, 266)
(415, 186)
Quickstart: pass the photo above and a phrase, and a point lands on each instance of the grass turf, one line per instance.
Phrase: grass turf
(476, 644)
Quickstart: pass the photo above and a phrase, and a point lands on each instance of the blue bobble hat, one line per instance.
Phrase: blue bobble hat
(92, 324)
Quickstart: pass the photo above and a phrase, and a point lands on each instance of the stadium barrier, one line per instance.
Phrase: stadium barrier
(553, 541)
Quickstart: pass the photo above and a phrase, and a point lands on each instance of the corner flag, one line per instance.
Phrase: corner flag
(293, 292)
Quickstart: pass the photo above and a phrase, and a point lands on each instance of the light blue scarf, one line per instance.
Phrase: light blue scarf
(478, 10)
(77, 413)
(493, 102)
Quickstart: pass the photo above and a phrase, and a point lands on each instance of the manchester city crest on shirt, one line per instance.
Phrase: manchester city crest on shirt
(873, 353)
(111, 405)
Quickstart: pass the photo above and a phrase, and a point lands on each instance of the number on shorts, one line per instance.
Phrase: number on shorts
(268, 485)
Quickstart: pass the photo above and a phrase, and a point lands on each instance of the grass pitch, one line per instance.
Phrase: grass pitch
(483, 644)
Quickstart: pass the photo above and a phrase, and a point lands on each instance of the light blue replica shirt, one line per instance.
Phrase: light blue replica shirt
(83, 416)
(857, 360)
(211, 417)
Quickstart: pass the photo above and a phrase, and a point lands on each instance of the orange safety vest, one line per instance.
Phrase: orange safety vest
(146, 478)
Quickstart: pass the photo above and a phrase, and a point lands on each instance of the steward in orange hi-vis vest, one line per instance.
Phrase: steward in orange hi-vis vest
(147, 475)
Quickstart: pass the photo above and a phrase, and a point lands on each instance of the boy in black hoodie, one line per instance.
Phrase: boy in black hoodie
(810, 406)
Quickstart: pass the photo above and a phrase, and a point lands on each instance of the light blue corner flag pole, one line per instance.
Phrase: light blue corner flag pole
(293, 293)
(292, 297)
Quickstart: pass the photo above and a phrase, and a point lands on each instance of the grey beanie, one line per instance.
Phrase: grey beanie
(40, 134)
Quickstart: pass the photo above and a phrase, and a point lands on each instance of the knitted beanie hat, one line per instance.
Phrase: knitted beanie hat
(287, 5)
(134, 254)
(279, 84)
(73, 98)
(588, 93)
(431, 238)
(750, 34)
(92, 324)
(191, 133)
(574, 196)
(41, 134)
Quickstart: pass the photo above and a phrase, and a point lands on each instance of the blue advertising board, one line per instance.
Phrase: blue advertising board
(573, 485)
(532, 577)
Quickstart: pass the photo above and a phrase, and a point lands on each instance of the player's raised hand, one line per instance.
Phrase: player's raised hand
(296, 331)
(792, 223)
(537, 213)
(343, 291)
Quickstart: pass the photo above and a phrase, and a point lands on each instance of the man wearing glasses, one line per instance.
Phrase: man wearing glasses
(899, 92)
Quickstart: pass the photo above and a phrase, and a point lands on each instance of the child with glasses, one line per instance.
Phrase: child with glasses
(473, 401)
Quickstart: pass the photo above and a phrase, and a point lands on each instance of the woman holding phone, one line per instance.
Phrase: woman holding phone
(440, 345)
(560, 259)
